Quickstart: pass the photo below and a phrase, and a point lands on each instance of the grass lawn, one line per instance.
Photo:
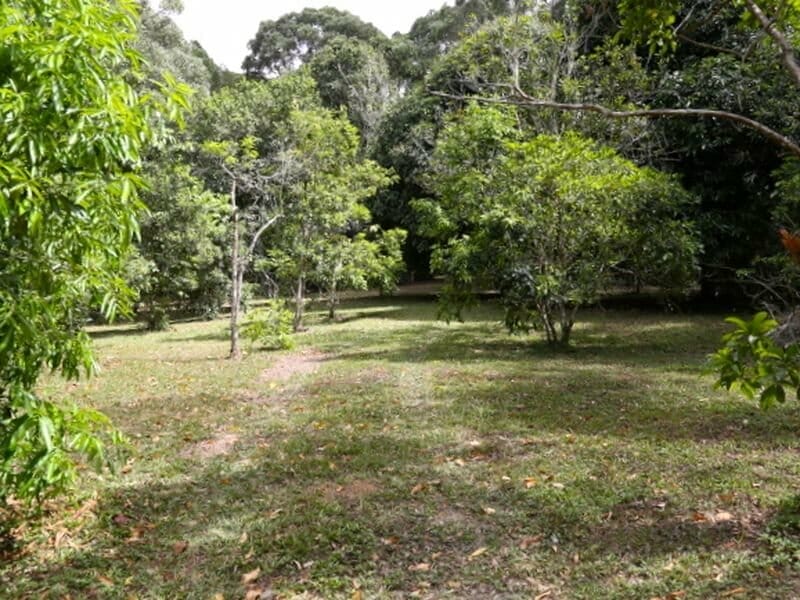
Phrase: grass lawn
(393, 456)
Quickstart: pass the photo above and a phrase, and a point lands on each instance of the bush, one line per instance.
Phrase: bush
(270, 326)
(752, 362)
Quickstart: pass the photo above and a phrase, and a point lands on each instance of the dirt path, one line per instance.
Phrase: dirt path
(297, 363)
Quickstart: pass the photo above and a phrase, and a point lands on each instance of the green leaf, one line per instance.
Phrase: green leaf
(46, 430)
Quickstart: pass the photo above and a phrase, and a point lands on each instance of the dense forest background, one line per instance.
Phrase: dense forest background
(739, 187)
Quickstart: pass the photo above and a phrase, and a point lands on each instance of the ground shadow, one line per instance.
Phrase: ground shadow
(305, 525)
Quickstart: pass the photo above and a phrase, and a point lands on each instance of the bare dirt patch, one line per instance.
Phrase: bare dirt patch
(351, 492)
(297, 363)
(219, 446)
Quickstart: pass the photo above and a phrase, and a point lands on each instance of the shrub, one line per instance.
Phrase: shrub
(270, 326)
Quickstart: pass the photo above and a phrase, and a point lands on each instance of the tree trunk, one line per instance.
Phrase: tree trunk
(332, 302)
(566, 331)
(332, 296)
(299, 302)
(236, 280)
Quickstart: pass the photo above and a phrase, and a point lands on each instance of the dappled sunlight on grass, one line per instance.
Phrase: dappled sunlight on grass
(415, 457)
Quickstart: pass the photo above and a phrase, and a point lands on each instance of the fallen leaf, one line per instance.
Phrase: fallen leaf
(558, 486)
(250, 577)
(180, 547)
(121, 519)
(417, 488)
(219, 597)
(60, 536)
(357, 595)
(676, 595)
(136, 534)
(420, 568)
(734, 592)
(723, 517)
(390, 541)
(488, 510)
(530, 541)
(544, 595)
(243, 539)
(478, 552)
(106, 581)
(254, 594)
(530, 482)
(699, 517)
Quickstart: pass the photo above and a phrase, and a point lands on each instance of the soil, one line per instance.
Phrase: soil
(298, 363)
(219, 446)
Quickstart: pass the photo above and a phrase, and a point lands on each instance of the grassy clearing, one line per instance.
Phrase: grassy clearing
(391, 455)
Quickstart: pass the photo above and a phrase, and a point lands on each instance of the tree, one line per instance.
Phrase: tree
(653, 22)
(722, 71)
(70, 143)
(546, 220)
(178, 260)
(372, 259)
(285, 44)
(248, 152)
(351, 73)
(161, 43)
(328, 201)
(412, 55)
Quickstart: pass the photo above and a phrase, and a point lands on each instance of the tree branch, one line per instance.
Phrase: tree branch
(521, 99)
(785, 46)
(261, 230)
(707, 46)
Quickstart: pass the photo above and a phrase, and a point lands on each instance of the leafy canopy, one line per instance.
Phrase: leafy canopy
(288, 42)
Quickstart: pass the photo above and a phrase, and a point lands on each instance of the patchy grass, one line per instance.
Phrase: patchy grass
(392, 455)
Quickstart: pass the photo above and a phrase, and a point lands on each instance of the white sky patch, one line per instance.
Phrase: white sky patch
(224, 27)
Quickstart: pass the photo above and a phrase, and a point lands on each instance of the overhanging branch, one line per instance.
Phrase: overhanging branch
(519, 98)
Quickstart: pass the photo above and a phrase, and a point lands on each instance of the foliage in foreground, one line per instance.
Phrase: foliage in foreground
(70, 140)
(751, 361)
